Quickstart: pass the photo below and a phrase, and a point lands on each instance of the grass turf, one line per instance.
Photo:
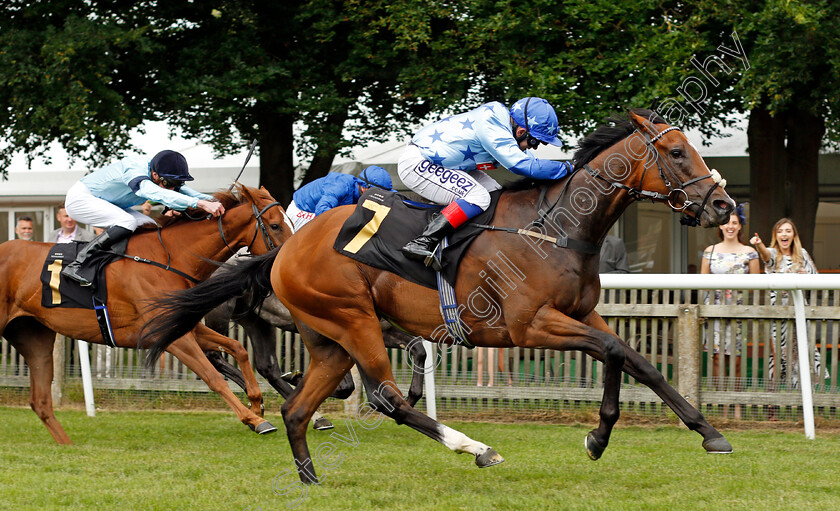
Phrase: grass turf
(207, 460)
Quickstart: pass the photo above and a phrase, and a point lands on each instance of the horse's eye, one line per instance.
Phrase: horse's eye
(275, 226)
(676, 153)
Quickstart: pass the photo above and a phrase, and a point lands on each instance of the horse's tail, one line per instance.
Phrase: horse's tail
(178, 312)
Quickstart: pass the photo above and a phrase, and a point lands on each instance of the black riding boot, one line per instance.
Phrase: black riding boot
(104, 241)
(422, 247)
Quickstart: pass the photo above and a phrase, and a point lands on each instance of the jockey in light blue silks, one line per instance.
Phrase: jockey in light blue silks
(445, 161)
(104, 199)
(334, 189)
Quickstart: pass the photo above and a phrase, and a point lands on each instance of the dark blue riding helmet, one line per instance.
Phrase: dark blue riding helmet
(171, 165)
(376, 176)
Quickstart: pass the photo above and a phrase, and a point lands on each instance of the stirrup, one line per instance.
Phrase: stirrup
(433, 261)
(75, 277)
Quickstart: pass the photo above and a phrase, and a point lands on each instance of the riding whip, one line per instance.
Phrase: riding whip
(247, 159)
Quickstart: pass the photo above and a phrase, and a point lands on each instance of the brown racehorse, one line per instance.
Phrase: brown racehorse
(188, 246)
(548, 302)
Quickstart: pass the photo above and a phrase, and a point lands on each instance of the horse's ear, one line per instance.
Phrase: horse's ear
(642, 124)
(245, 192)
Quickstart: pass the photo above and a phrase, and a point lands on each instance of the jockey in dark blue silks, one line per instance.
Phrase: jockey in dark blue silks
(445, 161)
(334, 189)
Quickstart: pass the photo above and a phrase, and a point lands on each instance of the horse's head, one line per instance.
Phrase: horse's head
(272, 227)
(674, 169)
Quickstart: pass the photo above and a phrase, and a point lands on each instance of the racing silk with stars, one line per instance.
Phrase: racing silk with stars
(128, 183)
(481, 139)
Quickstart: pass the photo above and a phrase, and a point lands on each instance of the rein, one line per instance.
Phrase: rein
(261, 228)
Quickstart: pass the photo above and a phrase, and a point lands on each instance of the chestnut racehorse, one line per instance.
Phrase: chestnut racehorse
(546, 300)
(253, 220)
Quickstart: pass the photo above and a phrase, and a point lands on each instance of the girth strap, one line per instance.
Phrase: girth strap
(585, 247)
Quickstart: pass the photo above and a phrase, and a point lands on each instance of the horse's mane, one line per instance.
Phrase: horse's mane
(615, 128)
(226, 197)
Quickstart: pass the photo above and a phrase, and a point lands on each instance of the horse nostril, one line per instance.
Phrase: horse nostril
(722, 205)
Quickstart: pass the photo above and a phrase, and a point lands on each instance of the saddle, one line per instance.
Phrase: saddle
(384, 221)
(59, 291)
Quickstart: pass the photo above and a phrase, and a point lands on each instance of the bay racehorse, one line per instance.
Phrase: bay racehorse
(547, 234)
(252, 219)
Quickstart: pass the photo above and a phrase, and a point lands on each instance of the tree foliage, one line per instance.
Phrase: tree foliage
(318, 76)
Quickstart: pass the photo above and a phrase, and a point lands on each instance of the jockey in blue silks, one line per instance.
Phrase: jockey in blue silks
(104, 199)
(334, 189)
(445, 161)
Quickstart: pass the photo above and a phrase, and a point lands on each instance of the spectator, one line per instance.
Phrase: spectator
(334, 189)
(68, 231)
(785, 255)
(728, 257)
(25, 228)
(613, 256)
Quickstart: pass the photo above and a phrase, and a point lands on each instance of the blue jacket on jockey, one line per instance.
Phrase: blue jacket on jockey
(336, 189)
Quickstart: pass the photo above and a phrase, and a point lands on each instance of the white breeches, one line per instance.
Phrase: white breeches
(298, 216)
(441, 185)
(84, 207)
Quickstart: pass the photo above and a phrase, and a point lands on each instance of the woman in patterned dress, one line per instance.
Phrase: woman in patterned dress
(785, 255)
(728, 256)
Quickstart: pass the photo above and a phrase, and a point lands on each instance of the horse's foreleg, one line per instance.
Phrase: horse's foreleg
(395, 338)
(35, 342)
(552, 329)
(187, 350)
(209, 339)
(643, 371)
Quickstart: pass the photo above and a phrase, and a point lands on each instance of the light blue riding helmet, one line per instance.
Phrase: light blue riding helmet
(376, 176)
(538, 118)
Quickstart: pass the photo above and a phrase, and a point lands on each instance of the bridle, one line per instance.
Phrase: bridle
(260, 228)
(673, 196)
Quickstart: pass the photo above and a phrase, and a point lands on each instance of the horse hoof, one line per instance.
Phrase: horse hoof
(292, 378)
(488, 458)
(322, 424)
(263, 428)
(717, 445)
(594, 449)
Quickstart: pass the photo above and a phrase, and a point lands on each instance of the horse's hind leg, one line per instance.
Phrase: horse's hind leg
(264, 343)
(35, 342)
(373, 362)
(187, 350)
(209, 339)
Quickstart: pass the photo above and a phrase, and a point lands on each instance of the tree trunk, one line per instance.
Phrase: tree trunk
(327, 149)
(784, 149)
(277, 169)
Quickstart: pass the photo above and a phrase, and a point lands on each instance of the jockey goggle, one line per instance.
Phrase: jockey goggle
(168, 182)
(534, 143)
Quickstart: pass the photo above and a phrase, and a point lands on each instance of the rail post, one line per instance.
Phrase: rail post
(688, 354)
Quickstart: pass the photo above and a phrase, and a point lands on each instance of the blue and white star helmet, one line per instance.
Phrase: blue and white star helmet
(541, 122)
